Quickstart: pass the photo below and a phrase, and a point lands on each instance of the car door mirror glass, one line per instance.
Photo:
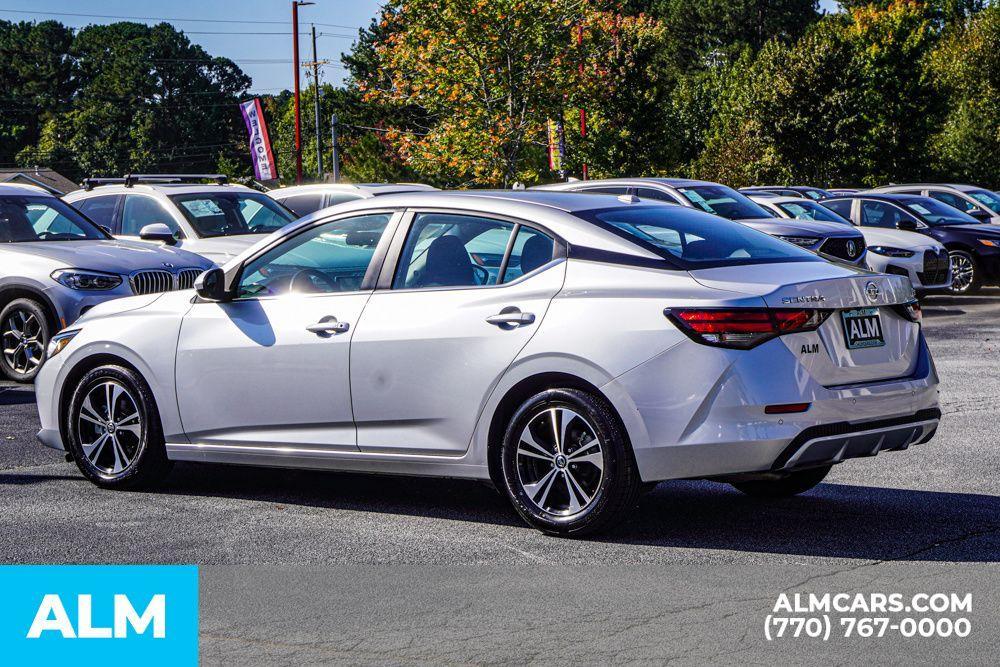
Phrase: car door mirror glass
(907, 224)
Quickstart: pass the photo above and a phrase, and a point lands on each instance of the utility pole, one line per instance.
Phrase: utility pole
(336, 151)
(319, 137)
(583, 112)
(296, 65)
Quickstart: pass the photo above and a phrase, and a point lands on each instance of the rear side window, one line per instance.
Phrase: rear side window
(532, 250)
(841, 207)
(650, 193)
(139, 211)
(99, 209)
(605, 190)
(304, 204)
(952, 200)
(696, 240)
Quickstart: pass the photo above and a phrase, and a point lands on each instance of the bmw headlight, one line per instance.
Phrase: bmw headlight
(889, 251)
(803, 241)
(82, 279)
(60, 341)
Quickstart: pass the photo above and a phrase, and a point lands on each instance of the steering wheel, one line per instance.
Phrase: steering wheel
(481, 272)
(306, 281)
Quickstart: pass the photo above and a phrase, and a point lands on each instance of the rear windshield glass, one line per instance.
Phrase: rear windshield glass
(720, 200)
(807, 210)
(938, 214)
(695, 240)
(232, 213)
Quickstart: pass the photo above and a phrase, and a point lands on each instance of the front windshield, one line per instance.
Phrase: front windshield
(807, 210)
(720, 200)
(232, 213)
(695, 240)
(988, 199)
(29, 218)
(938, 214)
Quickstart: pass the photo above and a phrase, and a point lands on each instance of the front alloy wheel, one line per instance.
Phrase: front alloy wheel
(964, 276)
(567, 464)
(114, 429)
(24, 332)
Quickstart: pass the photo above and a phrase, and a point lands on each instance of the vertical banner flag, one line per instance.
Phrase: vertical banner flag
(557, 145)
(260, 144)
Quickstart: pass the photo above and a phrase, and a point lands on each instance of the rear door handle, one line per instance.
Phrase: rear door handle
(511, 317)
(328, 325)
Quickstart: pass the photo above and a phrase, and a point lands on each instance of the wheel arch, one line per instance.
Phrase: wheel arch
(9, 293)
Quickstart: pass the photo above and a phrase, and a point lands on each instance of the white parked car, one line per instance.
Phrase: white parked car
(306, 199)
(917, 256)
(569, 347)
(215, 220)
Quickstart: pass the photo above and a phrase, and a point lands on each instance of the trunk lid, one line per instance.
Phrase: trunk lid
(864, 339)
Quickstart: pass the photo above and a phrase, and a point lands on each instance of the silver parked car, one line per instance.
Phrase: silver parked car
(55, 265)
(306, 199)
(216, 220)
(568, 347)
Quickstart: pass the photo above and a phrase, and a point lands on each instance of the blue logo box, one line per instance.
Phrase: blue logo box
(99, 614)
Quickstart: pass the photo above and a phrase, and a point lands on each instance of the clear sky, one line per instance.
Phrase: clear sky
(223, 27)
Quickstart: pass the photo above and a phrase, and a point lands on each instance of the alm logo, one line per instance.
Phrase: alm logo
(52, 617)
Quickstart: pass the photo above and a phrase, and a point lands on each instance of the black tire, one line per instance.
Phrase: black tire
(792, 485)
(962, 258)
(601, 495)
(142, 447)
(25, 332)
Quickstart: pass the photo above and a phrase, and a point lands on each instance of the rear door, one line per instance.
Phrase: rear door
(464, 297)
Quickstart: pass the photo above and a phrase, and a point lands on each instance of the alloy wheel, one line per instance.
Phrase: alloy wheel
(23, 347)
(560, 461)
(962, 272)
(109, 427)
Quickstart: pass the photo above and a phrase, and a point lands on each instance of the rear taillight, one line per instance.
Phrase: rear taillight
(743, 327)
(910, 311)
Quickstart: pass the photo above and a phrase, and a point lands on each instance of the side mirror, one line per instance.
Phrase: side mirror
(158, 232)
(906, 224)
(211, 285)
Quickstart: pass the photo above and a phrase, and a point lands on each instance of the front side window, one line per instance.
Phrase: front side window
(695, 240)
(27, 219)
(447, 250)
(988, 199)
(881, 214)
(807, 210)
(938, 214)
(232, 213)
(723, 201)
(330, 258)
(139, 211)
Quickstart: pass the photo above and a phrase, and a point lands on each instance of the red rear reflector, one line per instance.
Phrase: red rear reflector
(786, 408)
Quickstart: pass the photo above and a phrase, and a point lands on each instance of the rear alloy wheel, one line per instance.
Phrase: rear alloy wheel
(25, 332)
(791, 485)
(567, 466)
(115, 434)
(964, 273)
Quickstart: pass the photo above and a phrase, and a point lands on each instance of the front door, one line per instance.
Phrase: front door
(270, 368)
(467, 295)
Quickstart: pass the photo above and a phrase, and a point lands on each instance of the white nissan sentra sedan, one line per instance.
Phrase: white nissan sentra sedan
(571, 348)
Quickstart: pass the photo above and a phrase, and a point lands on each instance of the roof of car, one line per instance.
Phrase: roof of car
(23, 189)
(883, 196)
(569, 202)
(167, 188)
(781, 199)
(962, 187)
(653, 180)
(360, 188)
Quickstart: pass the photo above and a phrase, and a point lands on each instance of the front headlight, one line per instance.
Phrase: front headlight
(803, 241)
(60, 341)
(83, 279)
(889, 251)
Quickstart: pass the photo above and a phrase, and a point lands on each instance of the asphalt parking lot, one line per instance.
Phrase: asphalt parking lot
(385, 569)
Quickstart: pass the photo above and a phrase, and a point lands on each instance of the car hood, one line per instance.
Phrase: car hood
(792, 227)
(897, 238)
(114, 256)
(987, 231)
(221, 249)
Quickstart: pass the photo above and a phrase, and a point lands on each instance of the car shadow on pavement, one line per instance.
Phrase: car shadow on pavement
(16, 396)
(833, 520)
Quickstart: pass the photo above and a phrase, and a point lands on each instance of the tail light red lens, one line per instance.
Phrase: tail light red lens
(743, 327)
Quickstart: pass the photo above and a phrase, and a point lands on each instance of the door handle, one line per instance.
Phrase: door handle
(328, 325)
(511, 317)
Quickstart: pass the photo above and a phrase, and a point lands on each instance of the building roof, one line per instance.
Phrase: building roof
(51, 180)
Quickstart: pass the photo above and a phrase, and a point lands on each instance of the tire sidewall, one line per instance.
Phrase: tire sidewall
(613, 445)
(45, 334)
(149, 441)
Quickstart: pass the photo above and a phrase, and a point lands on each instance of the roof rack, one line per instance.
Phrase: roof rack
(132, 179)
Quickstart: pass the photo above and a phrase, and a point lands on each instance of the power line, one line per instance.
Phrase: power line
(160, 18)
